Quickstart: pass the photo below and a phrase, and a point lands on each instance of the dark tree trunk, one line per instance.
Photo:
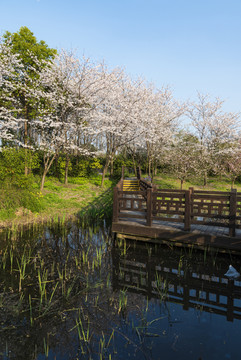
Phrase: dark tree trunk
(111, 167)
(26, 150)
(149, 167)
(205, 179)
(182, 181)
(66, 170)
(47, 164)
(104, 172)
(43, 179)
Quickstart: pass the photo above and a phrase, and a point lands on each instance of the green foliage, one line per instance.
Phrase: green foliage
(120, 161)
(12, 199)
(83, 166)
(24, 42)
(12, 164)
(34, 56)
(16, 189)
(85, 182)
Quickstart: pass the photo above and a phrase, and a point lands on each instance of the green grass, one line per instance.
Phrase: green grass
(57, 199)
(167, 181)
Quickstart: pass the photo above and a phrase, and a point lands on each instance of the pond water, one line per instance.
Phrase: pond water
(68, 292)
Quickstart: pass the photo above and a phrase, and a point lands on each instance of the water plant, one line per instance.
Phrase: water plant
(77, 288)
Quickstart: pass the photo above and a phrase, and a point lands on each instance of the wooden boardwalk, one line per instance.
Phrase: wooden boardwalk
(183, 218)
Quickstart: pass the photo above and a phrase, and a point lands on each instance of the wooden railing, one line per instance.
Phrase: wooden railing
(210, 208)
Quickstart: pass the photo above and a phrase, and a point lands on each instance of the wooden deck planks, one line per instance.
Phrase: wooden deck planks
(199, 236)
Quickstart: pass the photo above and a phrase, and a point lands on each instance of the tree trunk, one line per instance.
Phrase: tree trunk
(26, 150)
(56, 170)
(111, 167)
(134, 165)
(66, 170)
(47, 164)
(43, 179)
(205, 179)
(149, 167)
(105, 171)
(30, 162)
(182, 181)
(154, 169)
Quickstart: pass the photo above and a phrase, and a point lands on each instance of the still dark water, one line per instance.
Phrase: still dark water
(67, 292)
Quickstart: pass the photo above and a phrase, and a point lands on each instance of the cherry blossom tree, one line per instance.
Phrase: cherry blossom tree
(161, 123)
(11, 74)
(67, 88)
(182, 156)
(213, 127)
(118, 119)
(228, 161)
(33, 56)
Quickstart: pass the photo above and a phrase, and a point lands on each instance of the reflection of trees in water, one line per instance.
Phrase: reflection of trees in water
(72, 265)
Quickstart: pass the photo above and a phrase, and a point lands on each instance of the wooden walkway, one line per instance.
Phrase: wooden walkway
(184, 218)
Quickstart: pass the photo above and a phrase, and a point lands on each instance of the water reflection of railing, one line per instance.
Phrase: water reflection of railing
(198, 286)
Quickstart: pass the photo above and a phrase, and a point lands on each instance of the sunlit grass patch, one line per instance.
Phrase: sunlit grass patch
(167, 181)
(57, 199)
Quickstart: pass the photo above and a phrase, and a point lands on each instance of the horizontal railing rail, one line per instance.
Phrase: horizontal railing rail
(199, 207)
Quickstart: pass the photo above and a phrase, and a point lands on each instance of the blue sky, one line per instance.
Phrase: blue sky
(191, 45)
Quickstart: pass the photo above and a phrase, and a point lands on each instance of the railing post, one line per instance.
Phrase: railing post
(187, 216)
(149, 207)
(138, 173)
(230, 302)
(115, 204)
(191, 189)
(232, 211)
(122, 172)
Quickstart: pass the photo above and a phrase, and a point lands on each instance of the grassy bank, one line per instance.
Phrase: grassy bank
(27, 205)
(82, 197)
(167, 181)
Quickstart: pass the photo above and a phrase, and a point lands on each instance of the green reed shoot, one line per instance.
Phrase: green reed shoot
(1, 300)
(42, 284)
(11, 259)
(102, 346)
(25, 259)
(83, 335)
(96, 300)
(205, 255)
(85, 256)
(122, 301)
(30, 310)
(4, 260)
(108, 281)
(66, 267)
(52, 294)
(161, 286)
(46, 347)
(52, 268)
(49, 302)
(180, 264)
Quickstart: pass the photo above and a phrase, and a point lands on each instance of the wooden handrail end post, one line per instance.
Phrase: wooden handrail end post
(232, 212)
(187, 216)
(149, 207)
(115, 204)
